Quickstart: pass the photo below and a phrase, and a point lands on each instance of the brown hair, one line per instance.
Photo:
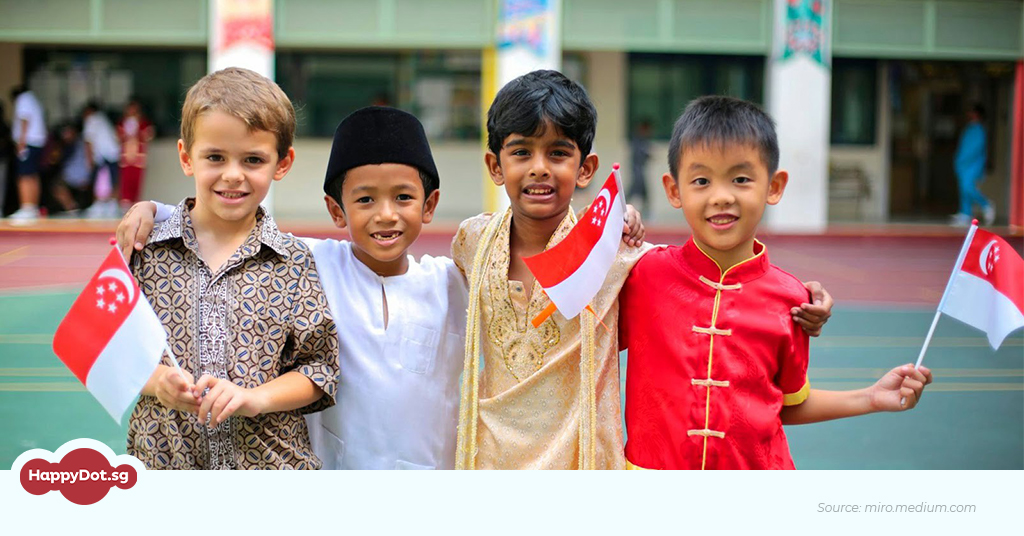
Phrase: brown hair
(245, 94)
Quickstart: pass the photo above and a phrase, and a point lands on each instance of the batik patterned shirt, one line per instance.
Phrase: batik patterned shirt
(260, 315)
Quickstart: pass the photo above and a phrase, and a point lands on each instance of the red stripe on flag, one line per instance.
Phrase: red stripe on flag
(993, 259)
(554, 265)
(96, 315)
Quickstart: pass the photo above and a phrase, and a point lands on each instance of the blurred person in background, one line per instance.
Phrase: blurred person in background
(6, 155)
(29, 133)
(969, 164)
(71, 185)
(103, 151)
(134, 132)
(640, 153)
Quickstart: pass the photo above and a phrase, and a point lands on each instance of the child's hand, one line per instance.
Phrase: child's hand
(175, 392)
(135, 227)
(225, 399)
(812, 316)
(900, 389)
(633, 231)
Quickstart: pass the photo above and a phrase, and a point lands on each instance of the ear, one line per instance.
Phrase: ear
(672, 190)
(430, 205)
(337, 213)
(587, 170)
(284, 165)
(494, 168)
(776, 186)
(184, 159)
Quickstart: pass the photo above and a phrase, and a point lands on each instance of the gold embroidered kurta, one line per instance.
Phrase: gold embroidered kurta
(529, 385)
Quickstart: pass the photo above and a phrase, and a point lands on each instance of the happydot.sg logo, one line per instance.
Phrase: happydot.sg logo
(82, 470)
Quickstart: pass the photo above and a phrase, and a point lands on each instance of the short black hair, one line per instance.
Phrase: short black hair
(18, 90)
(718, 120)
(979, 110)
(92, 106)
(334, 189)
(527, 104)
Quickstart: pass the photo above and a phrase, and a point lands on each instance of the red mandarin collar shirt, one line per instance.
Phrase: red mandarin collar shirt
(713, 357)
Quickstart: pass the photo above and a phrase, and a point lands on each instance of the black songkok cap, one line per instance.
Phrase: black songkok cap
(379, 135)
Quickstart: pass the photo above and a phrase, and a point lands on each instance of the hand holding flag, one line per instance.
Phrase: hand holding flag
(111, 339)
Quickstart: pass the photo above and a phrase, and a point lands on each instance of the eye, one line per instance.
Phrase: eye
(559, 153)
(215, 158)
(700, 181)
(742, 180)
(405, 197)
(254, 160)
(365, 199)
(520, 152)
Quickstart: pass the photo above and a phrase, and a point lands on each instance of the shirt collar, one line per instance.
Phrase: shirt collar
(179, 226)
(700, 262)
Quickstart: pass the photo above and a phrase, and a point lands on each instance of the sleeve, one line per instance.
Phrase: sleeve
(314, 349)
(792, 375)
(466, 241)
(163, 212)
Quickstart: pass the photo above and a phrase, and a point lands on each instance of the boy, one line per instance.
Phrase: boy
(715, 365)
(241, 301)
(524, 410)
(400, 347)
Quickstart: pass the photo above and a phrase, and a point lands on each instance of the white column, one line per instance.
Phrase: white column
(799, 99)
(529, 37)
(242, 35)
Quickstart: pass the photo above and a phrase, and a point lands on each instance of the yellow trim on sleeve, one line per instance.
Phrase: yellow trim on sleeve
(631, 467)
(798, 397)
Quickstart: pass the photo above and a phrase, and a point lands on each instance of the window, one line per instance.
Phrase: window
(854, 99)
(661, 85)
(64, 80)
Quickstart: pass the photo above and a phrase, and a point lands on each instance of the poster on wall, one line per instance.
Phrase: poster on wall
(529, 37)
(805, 31)
(242, 35)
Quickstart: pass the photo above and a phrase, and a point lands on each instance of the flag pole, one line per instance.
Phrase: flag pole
(945, 293)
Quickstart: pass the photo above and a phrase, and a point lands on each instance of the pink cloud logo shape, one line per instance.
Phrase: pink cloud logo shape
(82, 470)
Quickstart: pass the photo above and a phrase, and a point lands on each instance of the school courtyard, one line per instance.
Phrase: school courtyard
(886, 281)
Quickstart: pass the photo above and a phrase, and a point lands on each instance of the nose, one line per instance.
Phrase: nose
(233, 172)
(722, 196)
(539, 166)
(387, 212)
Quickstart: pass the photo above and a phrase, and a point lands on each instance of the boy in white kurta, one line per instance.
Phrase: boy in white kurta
(401, 322)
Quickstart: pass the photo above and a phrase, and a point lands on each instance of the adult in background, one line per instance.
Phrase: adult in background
(103, 151)
(29, 133)
(969, 164)
(134, 132)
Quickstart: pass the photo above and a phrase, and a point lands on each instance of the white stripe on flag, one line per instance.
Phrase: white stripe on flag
(975, 302)
(129, 359)
(575, 291)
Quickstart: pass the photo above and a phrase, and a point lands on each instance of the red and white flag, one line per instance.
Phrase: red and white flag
(573, 270)
(111, 339)
(987, 287)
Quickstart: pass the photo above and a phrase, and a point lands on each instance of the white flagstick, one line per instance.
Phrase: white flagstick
(945, 293)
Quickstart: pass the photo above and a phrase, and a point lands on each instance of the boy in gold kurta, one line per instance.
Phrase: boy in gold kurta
(528, 408)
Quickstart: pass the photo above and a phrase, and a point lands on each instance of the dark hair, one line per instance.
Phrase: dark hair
(717, 120)
(334, 190)
(525, 105)
(92, 106)
(18, 90)
(978, 110)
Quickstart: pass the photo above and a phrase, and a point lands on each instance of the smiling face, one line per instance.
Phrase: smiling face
(723, 191)
(384, 209)
(233, 167)
(540, 173)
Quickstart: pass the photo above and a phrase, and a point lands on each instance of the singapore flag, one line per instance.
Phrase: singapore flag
(573, 270)
(111, 339)
(987, 289)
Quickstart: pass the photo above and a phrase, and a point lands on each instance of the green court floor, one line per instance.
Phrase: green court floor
(971, 418)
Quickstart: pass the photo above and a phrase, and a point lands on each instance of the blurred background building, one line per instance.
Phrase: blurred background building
(903, 75)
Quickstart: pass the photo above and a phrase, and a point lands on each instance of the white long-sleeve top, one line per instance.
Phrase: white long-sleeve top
(398, 390)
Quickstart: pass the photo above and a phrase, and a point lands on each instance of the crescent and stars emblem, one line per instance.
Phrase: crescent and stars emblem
(988, 258)
(602, 205)
(109, 297)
